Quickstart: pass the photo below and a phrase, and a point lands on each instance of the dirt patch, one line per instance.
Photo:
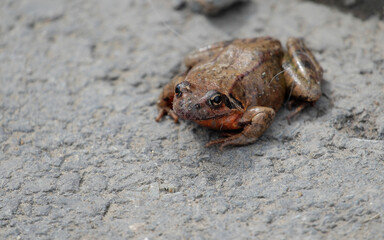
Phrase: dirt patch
(359, 125)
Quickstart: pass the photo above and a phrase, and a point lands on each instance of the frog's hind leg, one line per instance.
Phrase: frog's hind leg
(255, 120)
(303, 73)
(205, 53)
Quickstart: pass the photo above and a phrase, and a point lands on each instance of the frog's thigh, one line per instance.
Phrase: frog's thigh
(204, 53)
(257, 120)
(302, 72)
(260, 119)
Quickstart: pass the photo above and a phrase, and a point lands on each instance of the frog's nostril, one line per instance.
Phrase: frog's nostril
(197, 106)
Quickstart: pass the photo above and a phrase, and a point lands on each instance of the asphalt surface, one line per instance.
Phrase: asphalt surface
(81, 156)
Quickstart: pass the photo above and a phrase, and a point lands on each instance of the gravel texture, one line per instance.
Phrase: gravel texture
(81, 156)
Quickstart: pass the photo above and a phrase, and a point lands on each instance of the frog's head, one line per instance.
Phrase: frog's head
(194, 103)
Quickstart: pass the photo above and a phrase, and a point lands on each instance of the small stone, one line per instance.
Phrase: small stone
(42, 210)
(8, 208)
(211, 7)
(221, 207)
(349, 3)
(95, 183)
(136, 227)
(178, 4)
(69, 182)
(20, 126)
(154, 191)
(39, 185)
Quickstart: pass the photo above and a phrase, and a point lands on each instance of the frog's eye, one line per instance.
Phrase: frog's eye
(178, 90)
(215, 99)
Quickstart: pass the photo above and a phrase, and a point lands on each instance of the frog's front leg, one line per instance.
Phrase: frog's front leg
(302, 72)
(165, 101)
(256, 120)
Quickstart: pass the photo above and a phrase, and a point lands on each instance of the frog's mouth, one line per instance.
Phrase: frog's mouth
(197, 112)
(193, 117)
(191, 114)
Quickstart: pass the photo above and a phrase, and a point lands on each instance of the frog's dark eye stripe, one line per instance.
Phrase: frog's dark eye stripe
(228, 103)
(235, 103)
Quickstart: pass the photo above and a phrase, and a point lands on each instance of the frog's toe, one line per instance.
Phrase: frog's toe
(161, 114)
(222, 146)
(173, 116)
(228, 134)
(235, 140)
(165, 111)
(214, 142)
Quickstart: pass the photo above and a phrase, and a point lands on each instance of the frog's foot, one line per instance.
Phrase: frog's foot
(256, 121)
(297, 110)
(170, 112)
(290, 104)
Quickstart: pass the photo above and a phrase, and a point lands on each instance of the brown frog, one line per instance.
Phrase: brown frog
(240, 84)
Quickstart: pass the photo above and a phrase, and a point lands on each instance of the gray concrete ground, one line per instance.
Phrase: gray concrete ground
(81, 156)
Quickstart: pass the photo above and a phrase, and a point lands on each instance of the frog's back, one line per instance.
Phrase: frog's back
(261, 83)
(245, 70)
